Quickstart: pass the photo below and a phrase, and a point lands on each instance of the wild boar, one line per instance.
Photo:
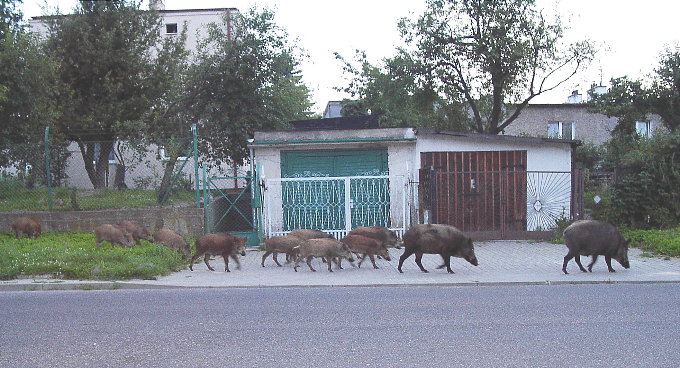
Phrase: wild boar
(306, 234)
(445, 240)
(26, 225)
(280, 244)
(323, 247)
(137, 230)
(113, 234)
(594, 238)
(225, 245)
(386, 236)
(172, 240)
(367, 247)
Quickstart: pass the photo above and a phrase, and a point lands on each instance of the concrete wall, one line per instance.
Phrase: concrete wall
(188, 221)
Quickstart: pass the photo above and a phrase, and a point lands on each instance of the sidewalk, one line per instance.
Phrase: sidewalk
(500, 263)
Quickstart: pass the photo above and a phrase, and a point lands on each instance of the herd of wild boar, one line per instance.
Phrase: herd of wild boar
(582, 238)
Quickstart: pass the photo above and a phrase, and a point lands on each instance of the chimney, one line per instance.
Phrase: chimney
(157, 4)
(575, 98)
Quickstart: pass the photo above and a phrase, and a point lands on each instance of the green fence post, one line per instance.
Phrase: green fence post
(194, 135)
(48, 169)
(206, 204)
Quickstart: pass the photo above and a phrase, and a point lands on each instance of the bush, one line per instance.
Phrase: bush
(75, 256)
(666, 242)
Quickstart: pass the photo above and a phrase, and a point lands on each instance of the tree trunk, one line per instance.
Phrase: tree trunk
(166, 182)
(96, 165)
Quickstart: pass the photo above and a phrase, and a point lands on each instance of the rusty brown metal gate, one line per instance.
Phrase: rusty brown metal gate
(491, 195)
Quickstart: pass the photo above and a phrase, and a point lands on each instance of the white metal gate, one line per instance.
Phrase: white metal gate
(335, 205)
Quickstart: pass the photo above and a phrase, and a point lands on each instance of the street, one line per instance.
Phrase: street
(632, 325)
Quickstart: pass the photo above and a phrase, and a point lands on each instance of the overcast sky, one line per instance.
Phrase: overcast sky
(631, 34)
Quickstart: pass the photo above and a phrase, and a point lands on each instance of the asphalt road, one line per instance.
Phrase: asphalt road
(491, 326)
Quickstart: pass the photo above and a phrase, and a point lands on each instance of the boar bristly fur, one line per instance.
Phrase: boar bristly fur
(137, 230)
(330, 249)
(445, 240)
(306, 234)
(172, 240)
(594, 238)
(114, 234)
(280, 244)
(225, 245)
(366, 247)
(26, 225)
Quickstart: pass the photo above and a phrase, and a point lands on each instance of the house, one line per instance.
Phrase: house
(333, 109)
(572, 120)
(336, 179)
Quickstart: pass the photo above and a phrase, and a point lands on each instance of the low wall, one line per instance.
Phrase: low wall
(187, 221)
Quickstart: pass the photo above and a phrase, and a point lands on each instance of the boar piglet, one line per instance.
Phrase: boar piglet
(172, 240)
(26, 225)
(113, 234)
(225, 245)
(330, 249)
(445, 240)
(366, 247)
(280, 244)
(137, 230)
(384, 235)
(594, 238)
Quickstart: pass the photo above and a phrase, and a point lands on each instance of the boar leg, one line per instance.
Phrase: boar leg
(361, 260)
(275, 257)
(419, 257)
(590, 266)
(264, 256)
(608, 259)
(447, 263)
(567, 258)
(577, 258)
(205, 259)
(309, 263)
(191, 263)
(407, 253)
(370, 256)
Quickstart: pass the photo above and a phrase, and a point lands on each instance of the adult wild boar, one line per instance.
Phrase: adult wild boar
(386, 236)
(330, 249)
(445, 240)
(137, 230)
(306, 234)
(225, 245)
(367, 247)
(172, 240)
(113, 234)
(26, 225)
(280, 244)
(594, 238)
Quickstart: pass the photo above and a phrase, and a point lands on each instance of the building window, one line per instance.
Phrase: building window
(171, 28)
(561, 130)
(643, 128)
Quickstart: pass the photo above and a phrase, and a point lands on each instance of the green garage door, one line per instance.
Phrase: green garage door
(321, 204)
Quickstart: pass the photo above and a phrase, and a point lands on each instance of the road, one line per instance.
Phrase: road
(631, 325)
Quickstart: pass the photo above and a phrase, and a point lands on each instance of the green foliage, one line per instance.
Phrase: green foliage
(666, 242)
(589, 156)
(486, 53)
(75, 256)
(646, 194)
(562, 224)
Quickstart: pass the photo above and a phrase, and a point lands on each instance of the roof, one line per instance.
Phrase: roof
(346, 122)
(498, 137)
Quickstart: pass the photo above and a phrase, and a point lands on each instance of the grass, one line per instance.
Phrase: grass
(36, 199)
(75, 256)
(659, 242)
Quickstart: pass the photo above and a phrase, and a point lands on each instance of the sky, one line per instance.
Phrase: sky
(630, 34)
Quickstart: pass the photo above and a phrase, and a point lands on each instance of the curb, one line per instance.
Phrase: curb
(115, 285)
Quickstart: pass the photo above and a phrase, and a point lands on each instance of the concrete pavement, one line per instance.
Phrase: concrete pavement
(500, 263)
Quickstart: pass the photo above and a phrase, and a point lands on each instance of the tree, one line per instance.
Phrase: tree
(494, 55)
(105, 53)
(243, 83)
(396, 93)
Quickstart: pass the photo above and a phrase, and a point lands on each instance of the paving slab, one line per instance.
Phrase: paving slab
(500, 263)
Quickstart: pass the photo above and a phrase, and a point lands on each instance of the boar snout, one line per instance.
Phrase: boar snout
(472, 260)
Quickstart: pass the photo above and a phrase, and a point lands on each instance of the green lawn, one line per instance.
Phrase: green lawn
(75, 256)
(36, 199)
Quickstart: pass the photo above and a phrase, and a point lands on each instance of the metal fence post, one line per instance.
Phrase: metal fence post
(194, 136)
(48, 169)
(207, 227)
